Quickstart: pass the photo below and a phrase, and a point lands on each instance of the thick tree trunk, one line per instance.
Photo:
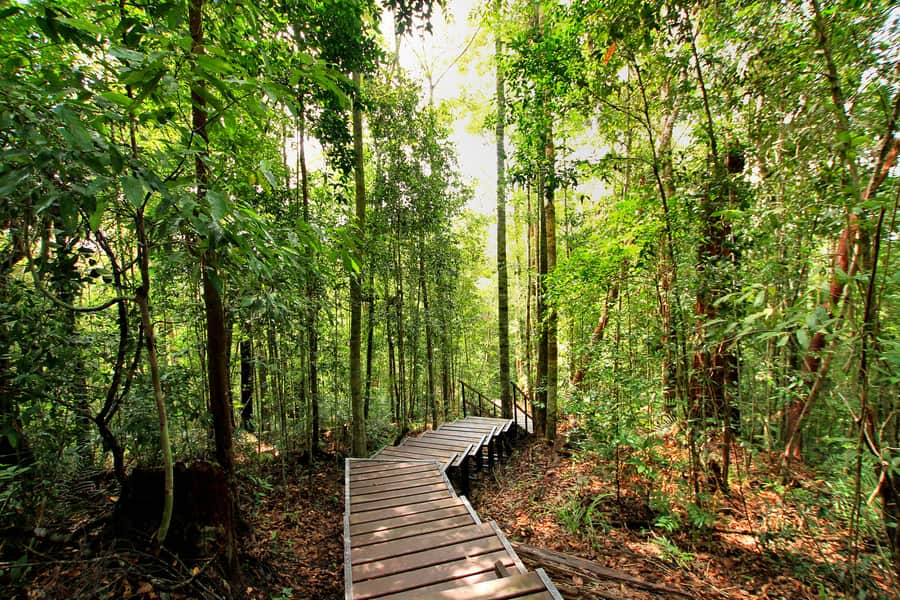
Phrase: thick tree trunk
(358, 421)
(502, 276)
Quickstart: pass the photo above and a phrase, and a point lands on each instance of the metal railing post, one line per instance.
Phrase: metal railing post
(515, 407)
(463, 386)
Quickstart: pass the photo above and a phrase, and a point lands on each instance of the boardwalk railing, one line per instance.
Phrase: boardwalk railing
(477, 404)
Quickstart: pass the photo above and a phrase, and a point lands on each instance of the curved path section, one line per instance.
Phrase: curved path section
(408, 535)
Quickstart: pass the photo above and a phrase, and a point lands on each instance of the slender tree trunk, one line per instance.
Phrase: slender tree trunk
(429, 342)
(358, 423)
(502, 277)
(669, 368)
(540, 405)
(552, 318)
(392, 372)
(370, 340)
(17, 452)
(219, 401)
(245, 349)
(142, 298)
(531, 270)
(597, 335)
(312, 331)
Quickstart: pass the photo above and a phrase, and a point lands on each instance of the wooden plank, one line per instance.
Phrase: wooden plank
(400, 511)
(468, 438)
(397, 482)
(446, 585)
(442, 457)
(410, 452)
(410, 500)
(468, 426)
(451, 434)
(428, 516)
(382, 486)
(438, 444)
(397, 533)
(417, 578)
(358, 465)
(428, 558)
(383, 468)
(428, 541)
(395, 475)
(492, 420)
(515, 586)
(386, 493)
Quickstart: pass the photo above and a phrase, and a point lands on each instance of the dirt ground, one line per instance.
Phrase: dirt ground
(758, 548)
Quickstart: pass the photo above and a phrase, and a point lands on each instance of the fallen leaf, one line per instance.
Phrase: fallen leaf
(144, 588)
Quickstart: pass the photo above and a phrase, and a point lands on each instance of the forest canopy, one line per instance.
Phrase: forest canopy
(236, 232)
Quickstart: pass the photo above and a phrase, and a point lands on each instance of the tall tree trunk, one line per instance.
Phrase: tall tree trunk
(217, 370)
(358, 421)
(370, 339)
(429, 342)
(142, 298)
(552, 319)
(312, 330)
(15, 452)
(392, 372)
(502, 277)
(668, 338)
(245, 349)
(531, 271)
(540, 405)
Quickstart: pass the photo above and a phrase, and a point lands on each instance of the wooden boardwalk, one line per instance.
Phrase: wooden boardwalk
(407, 534)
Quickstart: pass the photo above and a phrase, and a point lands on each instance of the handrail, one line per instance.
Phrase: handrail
(524, 409)
(481, 399)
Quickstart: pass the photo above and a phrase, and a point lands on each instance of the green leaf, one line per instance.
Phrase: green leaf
(218, 205)
(81, 25)
(117, 98)
(803, 338)
(97, 215)
(134, 190)
(10, 180)
(211, 64)
(126, 54)
(264, 169)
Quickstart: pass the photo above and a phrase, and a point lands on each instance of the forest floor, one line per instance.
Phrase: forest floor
(761, 545)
